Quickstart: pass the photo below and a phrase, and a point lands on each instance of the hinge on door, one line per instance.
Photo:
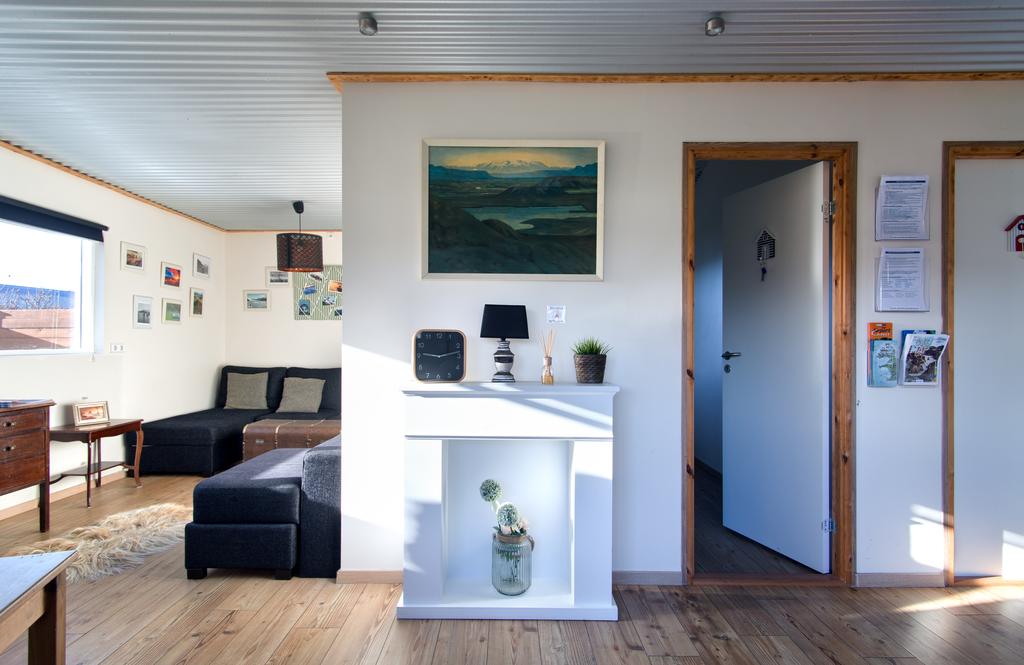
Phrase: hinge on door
(828, 526)
(828, 210)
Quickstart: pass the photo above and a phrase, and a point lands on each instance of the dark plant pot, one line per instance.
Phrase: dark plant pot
(590, 368)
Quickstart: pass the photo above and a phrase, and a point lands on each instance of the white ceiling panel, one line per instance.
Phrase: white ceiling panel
(221, 109)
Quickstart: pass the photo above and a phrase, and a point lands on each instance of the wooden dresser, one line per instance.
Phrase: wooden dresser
(25, 450)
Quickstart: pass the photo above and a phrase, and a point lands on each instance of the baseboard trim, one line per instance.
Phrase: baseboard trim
(661, 577)
(369, 577)
(650, 577)
(899, 579)
(77, 488)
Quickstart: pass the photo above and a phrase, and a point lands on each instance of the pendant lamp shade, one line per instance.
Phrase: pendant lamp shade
(300, 252)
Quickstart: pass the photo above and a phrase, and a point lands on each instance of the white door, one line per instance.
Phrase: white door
(989, 377)
(775, 436)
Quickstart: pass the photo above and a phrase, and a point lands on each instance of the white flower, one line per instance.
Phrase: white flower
(506, 530)
(523, 524)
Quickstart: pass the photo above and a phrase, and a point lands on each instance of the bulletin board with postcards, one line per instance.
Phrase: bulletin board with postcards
(318, 294)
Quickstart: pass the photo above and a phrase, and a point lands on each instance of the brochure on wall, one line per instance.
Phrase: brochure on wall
(902, 281)
(921, 356)
(883, 356)
(901, 208)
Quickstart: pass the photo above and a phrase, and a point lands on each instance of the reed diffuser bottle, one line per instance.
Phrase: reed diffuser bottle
(546, 377)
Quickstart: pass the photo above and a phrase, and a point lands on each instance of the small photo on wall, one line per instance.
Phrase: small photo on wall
(172, 310)
(201, 266)
(133, 257)
(318, 296)
(256, 300)
(197, 298)
(170, 274)
(277, 277)
(142, 312)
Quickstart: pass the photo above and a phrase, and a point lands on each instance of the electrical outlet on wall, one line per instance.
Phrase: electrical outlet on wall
(117, 348)
(556, 313)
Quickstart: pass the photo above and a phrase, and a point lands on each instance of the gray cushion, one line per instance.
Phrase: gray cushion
(301, 395)
(246, 391)
(332, 385)
(275, 382)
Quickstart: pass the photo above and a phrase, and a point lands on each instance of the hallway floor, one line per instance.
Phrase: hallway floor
(720, 550)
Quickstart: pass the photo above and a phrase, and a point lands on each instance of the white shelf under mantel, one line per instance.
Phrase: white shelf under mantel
(552, 446)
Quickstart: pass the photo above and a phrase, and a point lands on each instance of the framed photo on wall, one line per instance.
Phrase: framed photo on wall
(513, 209)
(170, 274)
(171, 310)
(256, 300)
(277, 277)
(133, 257)
(201, 266)
(197, 300)
(142, 312)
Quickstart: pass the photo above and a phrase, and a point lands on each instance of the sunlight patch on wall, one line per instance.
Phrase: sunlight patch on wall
(927, 545)
(1013, 556)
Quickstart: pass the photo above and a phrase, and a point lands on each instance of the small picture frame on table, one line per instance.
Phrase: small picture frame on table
(90, 413)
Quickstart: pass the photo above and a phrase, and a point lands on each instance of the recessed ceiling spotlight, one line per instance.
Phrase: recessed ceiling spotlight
(367, 25)
(714, 26)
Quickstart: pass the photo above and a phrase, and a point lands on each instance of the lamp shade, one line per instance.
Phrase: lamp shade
(504, 322)
(300, 252)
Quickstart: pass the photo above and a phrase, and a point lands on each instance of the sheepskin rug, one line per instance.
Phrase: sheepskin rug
(118, 542)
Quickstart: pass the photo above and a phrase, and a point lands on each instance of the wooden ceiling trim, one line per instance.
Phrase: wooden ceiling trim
(338, 79)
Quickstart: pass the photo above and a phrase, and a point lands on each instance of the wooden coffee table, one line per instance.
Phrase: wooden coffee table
(32, 598)
(90, 434)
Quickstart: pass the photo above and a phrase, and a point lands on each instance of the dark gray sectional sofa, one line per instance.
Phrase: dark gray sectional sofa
(280, 511)
(204, 442)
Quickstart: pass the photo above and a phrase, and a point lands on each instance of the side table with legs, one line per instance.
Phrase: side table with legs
(90, 434)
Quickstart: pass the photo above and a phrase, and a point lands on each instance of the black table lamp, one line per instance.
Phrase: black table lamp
(504, 322)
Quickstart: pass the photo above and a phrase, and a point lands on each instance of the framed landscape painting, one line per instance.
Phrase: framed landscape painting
(507, 209)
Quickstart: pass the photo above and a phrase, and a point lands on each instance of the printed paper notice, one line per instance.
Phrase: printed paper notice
(901, 210)
(901, 281)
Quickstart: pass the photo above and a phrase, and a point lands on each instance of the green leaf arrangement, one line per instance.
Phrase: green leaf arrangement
(590, 346)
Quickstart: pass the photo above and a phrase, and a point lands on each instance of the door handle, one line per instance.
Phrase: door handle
(728, 355)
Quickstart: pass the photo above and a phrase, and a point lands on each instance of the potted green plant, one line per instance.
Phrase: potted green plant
(591, 355)
(511, 546)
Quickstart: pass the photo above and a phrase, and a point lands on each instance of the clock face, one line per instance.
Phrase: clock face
(439, 355)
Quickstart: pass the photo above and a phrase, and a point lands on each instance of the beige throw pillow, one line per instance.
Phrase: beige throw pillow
(246, 391)
(301, 395)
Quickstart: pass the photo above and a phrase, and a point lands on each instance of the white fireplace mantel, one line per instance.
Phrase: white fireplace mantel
(551, 448)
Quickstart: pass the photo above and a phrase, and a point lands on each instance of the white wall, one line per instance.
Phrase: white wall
(167, 370)
(900, 128)
(989, 371)
(274, 337)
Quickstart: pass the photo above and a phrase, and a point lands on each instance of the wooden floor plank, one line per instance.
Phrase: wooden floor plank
(814, 638)
(361, 637)
(611, 646)
(513, 642)
(410, 643)
(461, 642)
(656, 625)
(868, 640)
(715, 639)
(304, 646)
(565, 643)
(772, 649)
(259, 639)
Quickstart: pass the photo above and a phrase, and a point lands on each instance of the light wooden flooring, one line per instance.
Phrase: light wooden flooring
(154, 615)
(720, 550)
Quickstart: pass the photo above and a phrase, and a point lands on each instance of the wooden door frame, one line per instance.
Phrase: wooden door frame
(952, 151)
(844, 316)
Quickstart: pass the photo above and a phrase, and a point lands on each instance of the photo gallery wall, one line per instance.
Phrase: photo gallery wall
(172, 309)
(316, 296)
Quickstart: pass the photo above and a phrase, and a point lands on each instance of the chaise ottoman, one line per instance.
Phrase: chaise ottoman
(247, 517)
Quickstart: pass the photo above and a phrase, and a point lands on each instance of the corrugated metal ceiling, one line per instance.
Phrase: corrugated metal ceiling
(221, 109)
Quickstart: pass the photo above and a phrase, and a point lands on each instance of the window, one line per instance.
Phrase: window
(46, 290)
